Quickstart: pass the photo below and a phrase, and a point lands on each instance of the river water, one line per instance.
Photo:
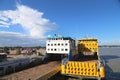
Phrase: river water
(112, 58)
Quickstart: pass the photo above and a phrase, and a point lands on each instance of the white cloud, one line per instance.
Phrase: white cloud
(17, 39)
(4, 23)
(30, 19)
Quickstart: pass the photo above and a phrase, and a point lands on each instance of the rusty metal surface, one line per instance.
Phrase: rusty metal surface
(41, 72)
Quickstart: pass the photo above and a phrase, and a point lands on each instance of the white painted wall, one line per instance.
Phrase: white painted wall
(58, 46)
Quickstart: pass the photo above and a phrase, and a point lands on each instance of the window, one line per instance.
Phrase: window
(55, 49)
(48, 44)
(62, 49)
(51, 49)
(66, 44)
(62, 44)
(58, 44)
(66, 49)
(51, 44)
(48, 49)
(55, 44)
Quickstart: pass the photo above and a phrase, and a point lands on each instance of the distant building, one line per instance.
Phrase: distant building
(41, 51)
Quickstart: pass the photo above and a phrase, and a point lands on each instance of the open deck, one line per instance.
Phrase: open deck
(42, 72)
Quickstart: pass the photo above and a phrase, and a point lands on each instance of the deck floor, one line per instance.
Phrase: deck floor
(39, 72)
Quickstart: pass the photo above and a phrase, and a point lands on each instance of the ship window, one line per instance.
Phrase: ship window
(66, 44)
(51, 49)
(48, 44)
(55, 49)
(66, 49)
(62, 44)
(62, 49)
(55, 44)
(48, 49)
(58, 44)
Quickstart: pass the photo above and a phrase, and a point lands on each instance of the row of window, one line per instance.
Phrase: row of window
(57, 49)
(57, 39)
(88, 48)
(89, 41)
(88, 44)
(58, 44)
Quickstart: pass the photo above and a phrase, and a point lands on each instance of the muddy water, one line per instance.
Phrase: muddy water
(112, 59)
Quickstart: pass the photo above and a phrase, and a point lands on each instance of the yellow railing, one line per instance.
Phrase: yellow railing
(80, 68)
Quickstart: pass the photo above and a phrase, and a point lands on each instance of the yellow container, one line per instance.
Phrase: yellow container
(88, 45)
(81, 68)
(102, 72)
(63, 69)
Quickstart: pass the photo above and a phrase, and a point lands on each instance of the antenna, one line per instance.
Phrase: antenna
(57, 35)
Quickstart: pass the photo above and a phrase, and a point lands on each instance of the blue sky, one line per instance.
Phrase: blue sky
(75, 18)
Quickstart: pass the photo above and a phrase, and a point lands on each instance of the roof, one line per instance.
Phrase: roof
(88, 39)
(3, 53)
(63, 38)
